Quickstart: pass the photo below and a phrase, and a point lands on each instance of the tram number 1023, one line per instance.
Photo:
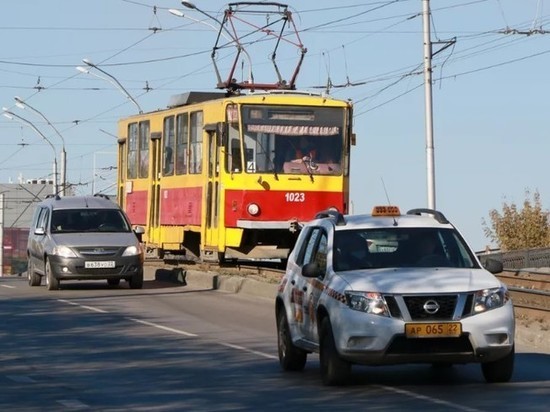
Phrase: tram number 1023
(295, 197)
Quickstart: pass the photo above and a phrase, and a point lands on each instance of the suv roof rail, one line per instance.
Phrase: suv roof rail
(333, 213)
(49, 196)
(440, 217)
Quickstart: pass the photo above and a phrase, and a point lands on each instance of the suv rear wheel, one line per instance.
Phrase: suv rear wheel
(291, 358)
(334, 370)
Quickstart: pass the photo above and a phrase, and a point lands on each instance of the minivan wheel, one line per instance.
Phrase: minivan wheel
(34, 278)
(334, 370)
(51, 282)
(500, 370)
(291, 358)
(136, 281)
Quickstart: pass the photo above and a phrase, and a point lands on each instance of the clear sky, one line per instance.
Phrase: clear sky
(490, 90)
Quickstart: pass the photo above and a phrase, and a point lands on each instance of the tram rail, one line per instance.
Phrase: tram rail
(530, 291)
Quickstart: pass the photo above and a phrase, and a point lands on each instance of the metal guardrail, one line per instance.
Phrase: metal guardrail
(519, 259)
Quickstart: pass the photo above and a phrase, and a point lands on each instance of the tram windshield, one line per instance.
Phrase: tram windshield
(292, 140)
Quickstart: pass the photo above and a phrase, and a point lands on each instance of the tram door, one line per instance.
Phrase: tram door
(213, 188)
(154, 189)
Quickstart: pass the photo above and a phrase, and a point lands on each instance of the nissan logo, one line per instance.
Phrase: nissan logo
(431, 307)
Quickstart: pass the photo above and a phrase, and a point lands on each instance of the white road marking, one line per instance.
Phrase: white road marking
(8, 286)
(155, 325)
(83, 306)
(429, 399)
(73, 404)
(254, 352)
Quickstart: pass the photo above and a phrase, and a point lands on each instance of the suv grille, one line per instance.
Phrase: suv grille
(417, 311)
(451, 307)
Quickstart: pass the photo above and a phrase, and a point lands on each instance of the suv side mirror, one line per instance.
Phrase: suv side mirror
(312, 270)
(494, 266)
(39, 231)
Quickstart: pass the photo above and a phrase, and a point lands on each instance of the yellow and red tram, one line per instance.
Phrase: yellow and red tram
(232, 176)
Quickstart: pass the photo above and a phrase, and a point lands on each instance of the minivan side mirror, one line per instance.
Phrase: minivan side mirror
(139, 231)
(39, 231)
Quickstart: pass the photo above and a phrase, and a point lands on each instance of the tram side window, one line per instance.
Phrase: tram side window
(182, 136)
(143, 149)
(168, 155)
(195, 158)
(234, 157)
(132, 150)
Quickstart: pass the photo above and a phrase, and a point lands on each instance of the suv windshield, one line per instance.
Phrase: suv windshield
(88, 220)
(400, 247)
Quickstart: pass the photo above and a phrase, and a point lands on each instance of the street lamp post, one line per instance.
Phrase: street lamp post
(22, 105)
(110, 78)
(13, 116)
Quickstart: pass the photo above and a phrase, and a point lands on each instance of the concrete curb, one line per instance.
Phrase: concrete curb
(211, 280)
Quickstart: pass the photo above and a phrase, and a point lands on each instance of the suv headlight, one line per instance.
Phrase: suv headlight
(488, 299)
(368, 302)
(63, 251)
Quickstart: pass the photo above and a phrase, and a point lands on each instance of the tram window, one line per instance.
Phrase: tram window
(132, 150)
(168, 157)
(195, 158)
(294, 140)
(143, 149)
(182, 136)
(235, 161)
(259, 149)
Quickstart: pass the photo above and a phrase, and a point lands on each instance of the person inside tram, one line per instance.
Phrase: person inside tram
(304, 150)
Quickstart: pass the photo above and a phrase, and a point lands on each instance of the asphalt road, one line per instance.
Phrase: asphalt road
(176, 347)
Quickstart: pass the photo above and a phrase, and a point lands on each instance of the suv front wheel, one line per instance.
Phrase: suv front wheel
(334, 370)
(500, 370)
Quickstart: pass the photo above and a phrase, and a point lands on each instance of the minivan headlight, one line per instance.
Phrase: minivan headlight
(368, 302)
(488, 299)
(132, 251)
(63, 251)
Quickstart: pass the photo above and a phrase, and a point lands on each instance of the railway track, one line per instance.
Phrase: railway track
(530, 291)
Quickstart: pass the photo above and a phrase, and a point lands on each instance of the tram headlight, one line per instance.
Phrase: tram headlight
(253, 209)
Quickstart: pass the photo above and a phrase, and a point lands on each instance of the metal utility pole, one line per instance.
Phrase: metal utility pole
(430, 158)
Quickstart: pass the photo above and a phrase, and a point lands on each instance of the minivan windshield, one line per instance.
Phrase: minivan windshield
(88, 220)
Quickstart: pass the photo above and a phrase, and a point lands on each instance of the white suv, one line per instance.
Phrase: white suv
(388, 288)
